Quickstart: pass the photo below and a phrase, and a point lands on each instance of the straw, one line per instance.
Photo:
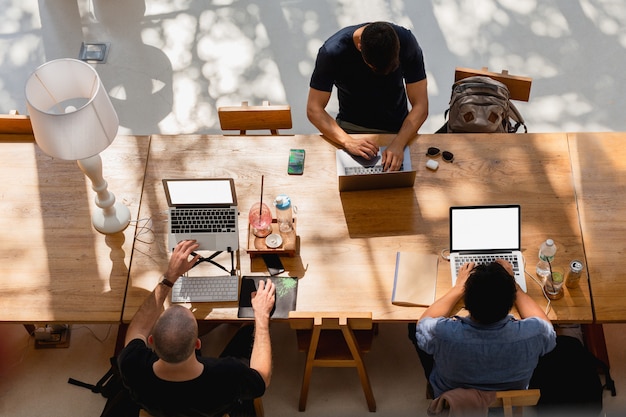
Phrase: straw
(549, 280)
(261, 203)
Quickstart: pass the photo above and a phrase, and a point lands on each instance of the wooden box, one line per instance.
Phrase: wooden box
(257, 246)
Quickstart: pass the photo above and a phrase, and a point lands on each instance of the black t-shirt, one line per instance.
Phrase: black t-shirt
(366, 98)
(222, 384)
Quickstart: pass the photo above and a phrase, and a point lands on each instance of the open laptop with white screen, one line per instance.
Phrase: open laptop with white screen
(204, 210)
(357, 173)
(482, 234)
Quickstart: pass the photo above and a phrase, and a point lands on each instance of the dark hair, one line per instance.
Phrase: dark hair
(380, 47)
(174, 335)
(490, 293)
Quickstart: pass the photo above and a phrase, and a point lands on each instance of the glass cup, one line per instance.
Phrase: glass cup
(260, 218)
(543, 270)
(553, 285)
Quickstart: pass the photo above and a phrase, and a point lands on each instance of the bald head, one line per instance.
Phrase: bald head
(174, 334)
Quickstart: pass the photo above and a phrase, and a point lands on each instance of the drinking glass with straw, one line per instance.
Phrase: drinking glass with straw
(260, 217)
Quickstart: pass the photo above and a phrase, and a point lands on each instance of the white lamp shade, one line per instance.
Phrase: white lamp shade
(71, 113)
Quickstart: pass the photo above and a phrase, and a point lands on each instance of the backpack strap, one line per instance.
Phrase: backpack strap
(94, 388)
(609, 383)
(81, 384)
(517, 118)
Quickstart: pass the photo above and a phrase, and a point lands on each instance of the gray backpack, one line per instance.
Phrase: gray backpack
(481, 104)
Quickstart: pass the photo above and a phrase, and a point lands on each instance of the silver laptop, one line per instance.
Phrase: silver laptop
(204, 210)
(357, 173)
(482, 234)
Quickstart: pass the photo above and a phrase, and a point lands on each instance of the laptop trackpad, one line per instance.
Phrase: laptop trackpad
(206, 242)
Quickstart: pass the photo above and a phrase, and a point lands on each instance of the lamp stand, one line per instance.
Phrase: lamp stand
(113, 216)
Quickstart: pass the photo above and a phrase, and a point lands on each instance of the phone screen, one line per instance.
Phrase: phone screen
(296, 162)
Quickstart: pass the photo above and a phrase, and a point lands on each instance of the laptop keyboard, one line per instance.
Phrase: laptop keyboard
(485, 259)
(376, 169)
(215, 220)
(206, 289)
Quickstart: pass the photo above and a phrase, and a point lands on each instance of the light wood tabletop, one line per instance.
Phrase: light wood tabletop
(599, 169)
(348, 241)
(54, 266)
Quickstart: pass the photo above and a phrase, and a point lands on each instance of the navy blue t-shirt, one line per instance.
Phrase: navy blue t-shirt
(366, 98)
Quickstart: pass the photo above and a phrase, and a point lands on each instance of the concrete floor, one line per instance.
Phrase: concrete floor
(171, 63)
(33, 382)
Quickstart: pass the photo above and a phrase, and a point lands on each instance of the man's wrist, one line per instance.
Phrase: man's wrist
(166, 282)
(262, 320)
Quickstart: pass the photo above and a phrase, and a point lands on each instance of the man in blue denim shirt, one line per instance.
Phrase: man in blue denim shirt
(490, 349)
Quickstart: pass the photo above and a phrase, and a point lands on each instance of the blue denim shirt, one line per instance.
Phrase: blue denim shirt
(498, 356)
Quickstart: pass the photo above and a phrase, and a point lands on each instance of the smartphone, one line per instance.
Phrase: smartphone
(296, 162)
(273, 264)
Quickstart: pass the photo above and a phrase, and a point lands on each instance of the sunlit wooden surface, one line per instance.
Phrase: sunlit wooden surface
(54, 266)
(599, 168)
(349, 241)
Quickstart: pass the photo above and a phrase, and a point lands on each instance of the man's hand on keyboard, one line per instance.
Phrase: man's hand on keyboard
(365, 148)
(179, 262)
(507, 265)
(392, 158)
(464, 272)
(263, 299)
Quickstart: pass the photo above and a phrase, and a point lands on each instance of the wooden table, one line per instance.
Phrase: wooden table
(349, 241)
(54, 266)
(599, 170)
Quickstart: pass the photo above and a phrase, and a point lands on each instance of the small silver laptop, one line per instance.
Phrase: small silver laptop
(204, 210)
(482, 234)
(357, 173)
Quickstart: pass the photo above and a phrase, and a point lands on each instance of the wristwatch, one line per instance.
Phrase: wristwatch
(166, 282)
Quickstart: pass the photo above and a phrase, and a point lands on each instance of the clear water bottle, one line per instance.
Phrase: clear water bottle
(547, 250)
(284, 213)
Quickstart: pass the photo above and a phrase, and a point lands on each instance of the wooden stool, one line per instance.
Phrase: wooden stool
(333, 340)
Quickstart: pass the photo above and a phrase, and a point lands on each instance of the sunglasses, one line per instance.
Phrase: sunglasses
(445, 155)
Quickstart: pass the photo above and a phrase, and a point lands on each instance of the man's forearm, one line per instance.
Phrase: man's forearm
(148, 313)
(527, 307)
(328, 127)
(411, 125)
(261, 358)
(443, 306)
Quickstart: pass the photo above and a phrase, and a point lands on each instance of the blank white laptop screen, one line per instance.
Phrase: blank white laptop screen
(485, 228)
(198, 192)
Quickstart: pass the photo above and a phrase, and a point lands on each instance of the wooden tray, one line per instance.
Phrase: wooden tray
(257, 246)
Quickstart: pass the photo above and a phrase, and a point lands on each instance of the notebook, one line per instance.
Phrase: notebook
(415, 279)
(482, 234)
(357, 173)
(204, 210)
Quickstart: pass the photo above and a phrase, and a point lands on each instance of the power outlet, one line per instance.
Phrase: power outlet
(43, 333)
(56, 335)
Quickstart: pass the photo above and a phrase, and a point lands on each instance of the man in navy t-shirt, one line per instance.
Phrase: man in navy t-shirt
(376, 67)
